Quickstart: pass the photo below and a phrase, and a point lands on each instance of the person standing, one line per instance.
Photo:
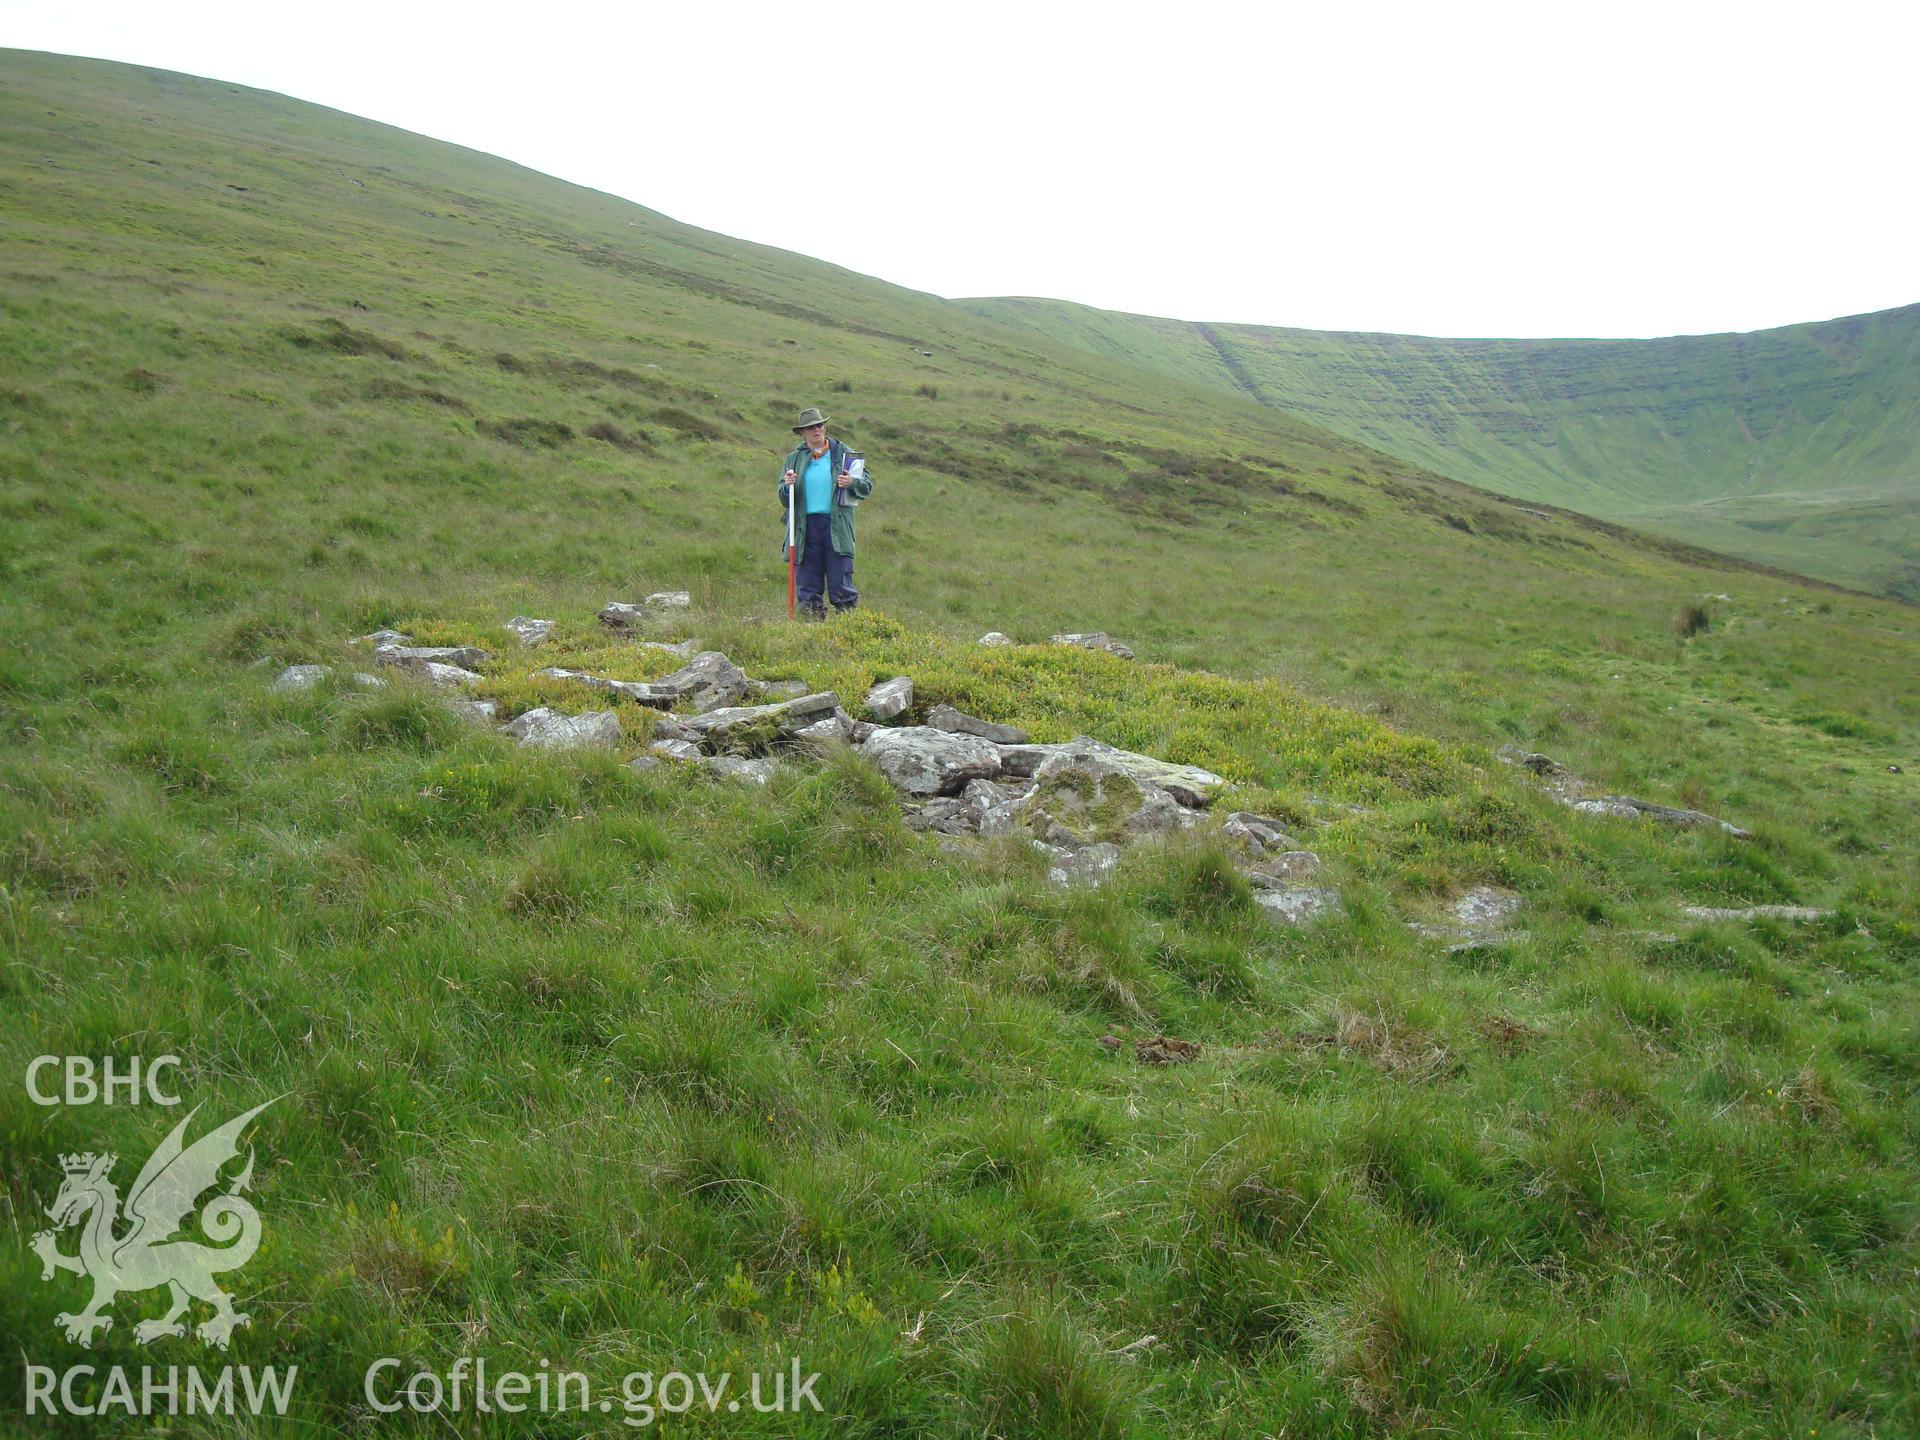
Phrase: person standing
(823, 517)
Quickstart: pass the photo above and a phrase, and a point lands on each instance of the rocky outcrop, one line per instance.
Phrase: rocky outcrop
(923, 761)
(550, 730)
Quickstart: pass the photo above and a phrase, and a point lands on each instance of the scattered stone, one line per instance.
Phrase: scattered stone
(708, 681)
(890, 698)
(384, 637)
(735, 767)
(551, 730)
(674, 750)
(945, 717)
(301, 677)
(827, 730)
(1088, 866)
(943, 815)
(445, 676)
(989, 806)
(1256, 832)
(640, 692)
(1484, 907)
(527, 630)
(1023, 760)
(1298, 907)
(682, 648)
(923, 761)
(757, 727)
(412, 657)
(1165, 1050)
(1284, 870)
(671, 727)
(1563, 785)
(858, 731)
(478, 712)
(645, 762)
(1628, 807)
(994, 637)
(1094, 640)
(669, 600)
(1754, 912)
(776, 689)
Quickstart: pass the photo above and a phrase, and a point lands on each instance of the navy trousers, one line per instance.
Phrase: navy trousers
(821, 569)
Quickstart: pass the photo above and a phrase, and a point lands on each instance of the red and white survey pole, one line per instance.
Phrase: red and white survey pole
(792, 564)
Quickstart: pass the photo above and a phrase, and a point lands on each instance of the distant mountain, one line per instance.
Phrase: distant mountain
(1797, 447)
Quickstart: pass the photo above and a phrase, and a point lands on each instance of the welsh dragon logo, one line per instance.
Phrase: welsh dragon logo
(147, 1255)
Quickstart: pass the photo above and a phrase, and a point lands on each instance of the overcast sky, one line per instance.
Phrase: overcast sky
(1536, 169)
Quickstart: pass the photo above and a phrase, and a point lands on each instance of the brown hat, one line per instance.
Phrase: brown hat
(809, 416)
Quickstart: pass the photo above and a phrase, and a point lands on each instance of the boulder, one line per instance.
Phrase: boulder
(1188, 784)
(734, 767)
(550, 730)
(753, 728)
(527, 630)
(890, 698)
(945, 717)
(674, 750)
(828, 729)
(994, 637)
(1085, 867)
(989, 806)
(671, 727)
(1298, 907)
(300, 677)
(924, 761)
(1094, 640)
(1081, 797)
(445, 676)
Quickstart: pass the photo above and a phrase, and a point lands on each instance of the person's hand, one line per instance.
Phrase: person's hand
(844, 481)
(789, 477)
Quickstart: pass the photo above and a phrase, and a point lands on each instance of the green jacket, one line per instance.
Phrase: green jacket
(840, 518)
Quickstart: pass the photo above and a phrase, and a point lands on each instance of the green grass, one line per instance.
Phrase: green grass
(629, 1070)
(1797, 447)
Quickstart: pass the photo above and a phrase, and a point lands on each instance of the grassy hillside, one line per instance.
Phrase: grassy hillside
(1797, 447)
(630, 1070)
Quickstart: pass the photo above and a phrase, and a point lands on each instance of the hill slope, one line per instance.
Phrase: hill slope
(1799, 447)
(633, 1070)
